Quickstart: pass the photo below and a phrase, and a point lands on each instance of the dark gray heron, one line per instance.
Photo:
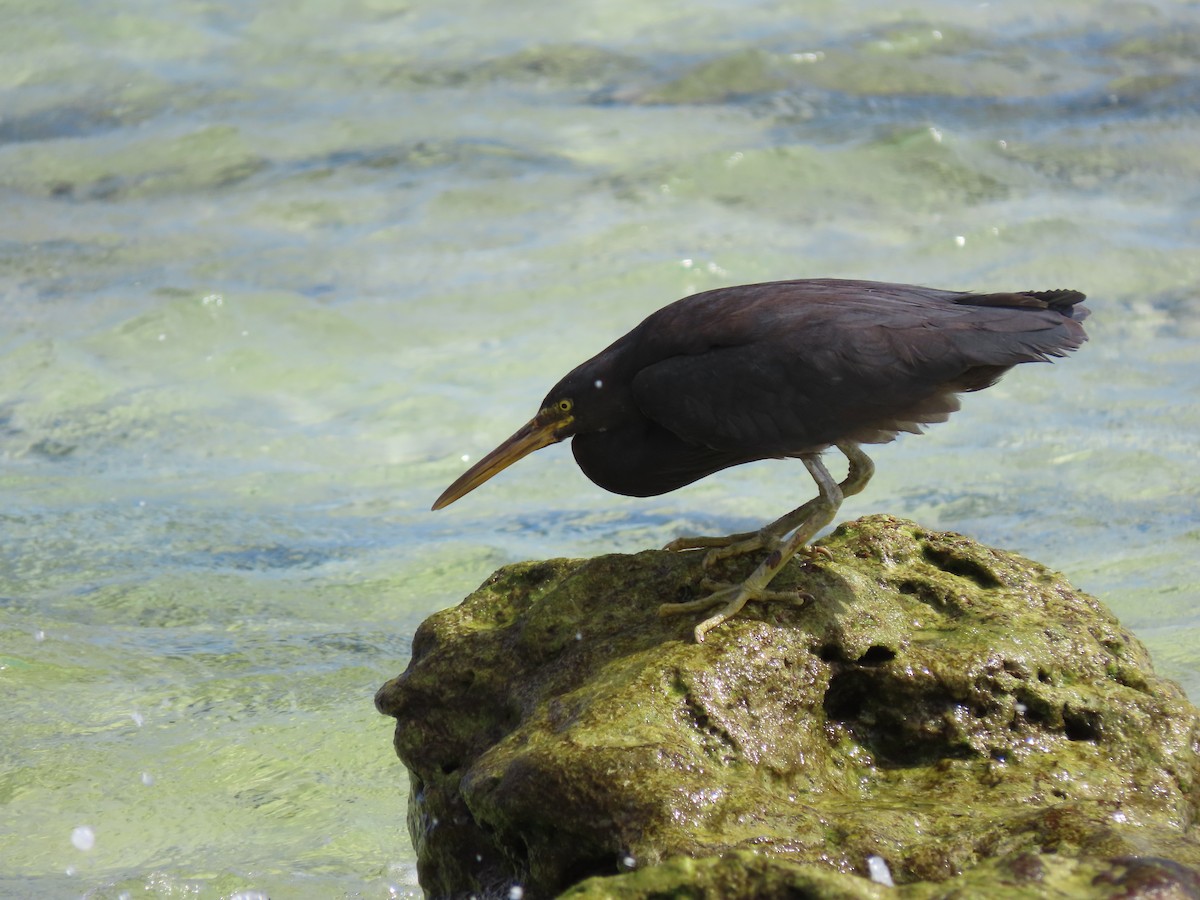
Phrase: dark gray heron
(783, 369)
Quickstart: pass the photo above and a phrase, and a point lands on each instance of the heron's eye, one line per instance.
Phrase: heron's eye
(565, 405)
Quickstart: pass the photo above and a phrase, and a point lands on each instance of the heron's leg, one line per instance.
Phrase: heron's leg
(821, 513)
(769, 537)
(861, 468)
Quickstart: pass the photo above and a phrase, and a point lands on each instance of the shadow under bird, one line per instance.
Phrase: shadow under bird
(783, 369)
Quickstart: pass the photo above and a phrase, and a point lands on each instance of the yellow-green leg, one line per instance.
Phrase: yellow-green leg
(806, 521)
(769, 537)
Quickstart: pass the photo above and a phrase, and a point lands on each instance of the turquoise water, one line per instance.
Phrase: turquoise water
(268, 274)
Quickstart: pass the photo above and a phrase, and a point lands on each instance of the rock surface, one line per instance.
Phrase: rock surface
(960, 712)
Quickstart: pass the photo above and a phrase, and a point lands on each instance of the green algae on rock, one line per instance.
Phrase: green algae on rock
(1020, 876)
(938, 703)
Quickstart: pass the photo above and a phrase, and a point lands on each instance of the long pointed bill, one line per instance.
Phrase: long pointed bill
(537, 433)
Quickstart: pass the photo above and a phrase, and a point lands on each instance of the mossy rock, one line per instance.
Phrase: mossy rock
(953, 709)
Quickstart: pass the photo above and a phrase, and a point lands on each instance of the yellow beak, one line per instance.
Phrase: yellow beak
(538, 432)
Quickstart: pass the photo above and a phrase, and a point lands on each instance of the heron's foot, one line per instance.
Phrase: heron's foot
(758, 541)
(734, 596)
(748, 543)
(722, 548)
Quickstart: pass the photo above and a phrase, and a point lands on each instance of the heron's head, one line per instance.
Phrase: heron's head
(587, 400)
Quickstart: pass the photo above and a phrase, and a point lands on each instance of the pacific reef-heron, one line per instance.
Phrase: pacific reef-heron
(782, 369)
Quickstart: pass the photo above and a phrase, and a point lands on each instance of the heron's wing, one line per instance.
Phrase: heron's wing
(855, 367)
(744, 314)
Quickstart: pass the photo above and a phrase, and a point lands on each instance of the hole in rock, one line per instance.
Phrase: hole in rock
(962, 566)
(901, 725)
(876, 655)
(1081, 725)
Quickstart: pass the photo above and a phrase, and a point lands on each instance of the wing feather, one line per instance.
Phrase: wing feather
(789, 368)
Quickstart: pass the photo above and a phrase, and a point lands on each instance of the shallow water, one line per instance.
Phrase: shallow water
(268, 274)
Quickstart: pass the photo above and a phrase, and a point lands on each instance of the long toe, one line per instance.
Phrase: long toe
(752, 542)
(706, 543)
(717, 593)
(738, 598)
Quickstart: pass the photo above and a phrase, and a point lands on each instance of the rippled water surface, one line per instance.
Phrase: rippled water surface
(269, 272)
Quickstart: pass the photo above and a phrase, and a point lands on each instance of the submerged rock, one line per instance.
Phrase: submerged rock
(957, 711)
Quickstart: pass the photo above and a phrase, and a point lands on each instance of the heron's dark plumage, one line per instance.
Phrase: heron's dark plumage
(789, 368)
